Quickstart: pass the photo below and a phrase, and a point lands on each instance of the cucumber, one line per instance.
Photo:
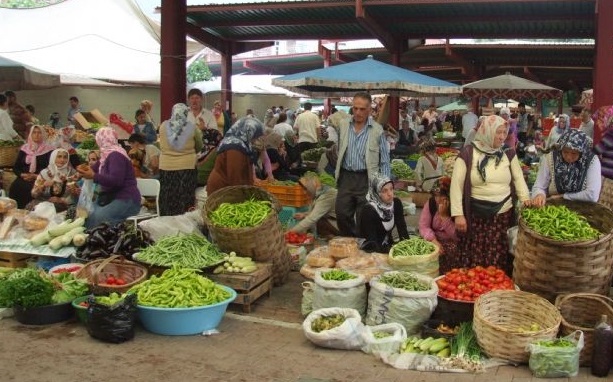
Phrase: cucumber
(66, 226)
(438, 345)
(40, 238)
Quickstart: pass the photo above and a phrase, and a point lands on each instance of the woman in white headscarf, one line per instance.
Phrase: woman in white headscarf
(486, 180)
(562, 125)
(379, 215)
(57, 183)
(180, 140)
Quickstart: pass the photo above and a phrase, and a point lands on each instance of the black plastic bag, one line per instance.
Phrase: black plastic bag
(112, 323)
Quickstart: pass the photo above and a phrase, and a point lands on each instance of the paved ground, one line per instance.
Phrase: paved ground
(265, 345)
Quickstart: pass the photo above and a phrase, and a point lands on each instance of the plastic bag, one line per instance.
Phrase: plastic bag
(112, 323)
(389, 344)
(347, 336)
(555, 361)
(86, 198)
(342, 294)
(162, 226)
(307, 298)
(408, 308)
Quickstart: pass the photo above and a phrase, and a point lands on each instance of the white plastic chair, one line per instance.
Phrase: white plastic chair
(147, 188)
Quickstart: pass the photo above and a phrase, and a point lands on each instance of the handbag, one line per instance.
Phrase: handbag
(104, 198)
(486, 209)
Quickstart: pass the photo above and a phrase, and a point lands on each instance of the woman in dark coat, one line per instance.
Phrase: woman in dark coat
(33, 157)
(378, 217)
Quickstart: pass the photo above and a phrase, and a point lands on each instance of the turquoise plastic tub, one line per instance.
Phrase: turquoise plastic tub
(184, 321)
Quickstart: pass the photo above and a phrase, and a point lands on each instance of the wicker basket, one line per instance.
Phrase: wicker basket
(500, 316)
(8, 177)
(606, 193)
(550, 267)
(582, 311)
(98, 270)
(263, 243)
(8, 155)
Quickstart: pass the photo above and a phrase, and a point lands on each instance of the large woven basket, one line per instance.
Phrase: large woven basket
(582, 311)
(502, 321)
(8, 155)
(98, 270)
(550, 267)
(606, 193)
(8, 177)
(263, 243)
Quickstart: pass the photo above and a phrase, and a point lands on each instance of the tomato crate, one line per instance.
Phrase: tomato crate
(248, 286)
(293, 196)
(14, 260)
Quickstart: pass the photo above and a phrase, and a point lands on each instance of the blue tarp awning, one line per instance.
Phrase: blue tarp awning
(367, 75)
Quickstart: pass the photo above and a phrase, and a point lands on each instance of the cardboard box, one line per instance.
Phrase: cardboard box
(84, 119)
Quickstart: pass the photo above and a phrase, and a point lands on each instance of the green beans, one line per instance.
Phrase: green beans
(401, 170)
(559, 223)
(415, 246)
(337, 275)
(240, 215)
(179, 288)
(186, 251)
(404, 280)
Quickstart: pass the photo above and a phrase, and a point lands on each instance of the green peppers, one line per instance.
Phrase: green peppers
(415, 246)
(337, 275)
(250, 213)
(179, 288)
(404, 280)
(559, 223)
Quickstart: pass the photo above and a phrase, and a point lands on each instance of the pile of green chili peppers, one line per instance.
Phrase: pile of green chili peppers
(559, 223)
(250, 213)
(179, 288)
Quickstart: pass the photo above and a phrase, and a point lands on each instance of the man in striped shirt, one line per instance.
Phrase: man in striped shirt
(362, 152)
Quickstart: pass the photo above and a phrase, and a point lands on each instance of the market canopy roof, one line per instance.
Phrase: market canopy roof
(17, 76)
(509, 86)
(367, 75)
(401, 26)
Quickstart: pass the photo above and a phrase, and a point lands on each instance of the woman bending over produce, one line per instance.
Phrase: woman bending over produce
(436, 225)
(429, 166)
(31, 159)
(119, 197)
(484, 184)
(571, 171)
(57, 183)
(236, 155)
(321, 212)
(379, 215)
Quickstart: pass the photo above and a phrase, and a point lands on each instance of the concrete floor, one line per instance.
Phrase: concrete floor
(266, 345)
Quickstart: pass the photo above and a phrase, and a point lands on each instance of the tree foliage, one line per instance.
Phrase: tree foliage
(199, 71)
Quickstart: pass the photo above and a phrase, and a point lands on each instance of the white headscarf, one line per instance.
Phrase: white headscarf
(55, 172)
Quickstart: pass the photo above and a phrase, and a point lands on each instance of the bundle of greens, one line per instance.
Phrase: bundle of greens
(465, 351)
(29, 288)
(26, 288)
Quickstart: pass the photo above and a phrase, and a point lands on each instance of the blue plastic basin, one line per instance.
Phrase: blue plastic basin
(184, 321)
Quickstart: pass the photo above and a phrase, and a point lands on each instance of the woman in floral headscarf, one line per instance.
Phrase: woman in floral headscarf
(119, 197)
(485, 182)
(180, 140)
(33, 157)
(236, 155)
(571, 171)
(57, 183)
(379, 215)
(436, 224)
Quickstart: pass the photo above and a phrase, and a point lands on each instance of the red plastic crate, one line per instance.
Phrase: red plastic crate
(293, 196)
